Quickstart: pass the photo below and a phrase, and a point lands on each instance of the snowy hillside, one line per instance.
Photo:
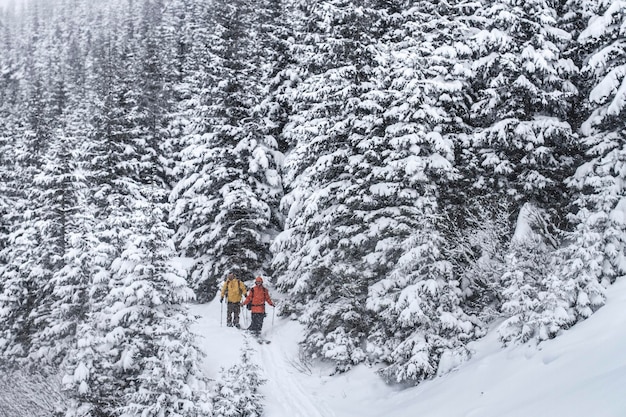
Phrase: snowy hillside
(580, 374)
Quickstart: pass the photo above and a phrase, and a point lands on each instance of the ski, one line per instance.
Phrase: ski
(260, 339)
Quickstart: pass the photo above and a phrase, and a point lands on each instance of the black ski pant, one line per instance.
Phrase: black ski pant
(257, 322)
(232, 314)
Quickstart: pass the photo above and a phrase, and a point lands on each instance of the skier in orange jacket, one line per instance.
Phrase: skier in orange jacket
(257, 297)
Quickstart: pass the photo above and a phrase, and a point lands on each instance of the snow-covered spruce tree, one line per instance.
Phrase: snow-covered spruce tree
(135, 354)
(48, 159)
(333, 218)
(270, 114)
(193, 60)
(230, 183)
(425, 329)
(430, 65)
(176, 42)
(57, 314)
(36, 243)
(150, 325)
(9, 120)
(523, 147)
(19, 289)
(93, 382)
(9, 128)
(358, 175)
(237, 391)
(152, 94)
(424, 131)
(278, 75)
(6, 200)
(527, 281)
(600, 180)
(65, 183)
(522, 282)
(19, 295)
(595, 253)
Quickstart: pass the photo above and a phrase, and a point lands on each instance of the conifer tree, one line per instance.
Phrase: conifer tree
(332, 217)
(9, 119)
(145, 316)
(538, 296)
(135, 353)
(426, 131)
(424, 330)
(278, 72)
(36, 241)
(477, 250)
(9, 128)
(524, 289)
(362, 175)
(237, 393)
(523, 147)
(64, 181)
(151, 94)
(594, 256)
(223, 203)
(600, 179)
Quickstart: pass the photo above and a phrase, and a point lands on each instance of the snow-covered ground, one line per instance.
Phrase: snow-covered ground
(580, 374)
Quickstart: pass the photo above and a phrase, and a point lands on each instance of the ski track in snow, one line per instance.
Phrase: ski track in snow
(286, 390)
(284, 394)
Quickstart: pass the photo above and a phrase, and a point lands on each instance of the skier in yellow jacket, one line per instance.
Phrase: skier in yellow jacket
(234, 290)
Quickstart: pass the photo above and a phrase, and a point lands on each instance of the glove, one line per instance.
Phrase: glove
(222, 300)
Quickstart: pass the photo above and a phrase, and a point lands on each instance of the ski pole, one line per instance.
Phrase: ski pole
(221, 312)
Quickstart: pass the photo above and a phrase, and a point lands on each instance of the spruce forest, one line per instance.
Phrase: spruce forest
(404, 173)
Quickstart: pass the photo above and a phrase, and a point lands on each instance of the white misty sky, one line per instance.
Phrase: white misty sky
(3, 3)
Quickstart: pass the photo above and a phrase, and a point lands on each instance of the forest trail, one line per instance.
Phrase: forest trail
(285, 395)
(284, 391)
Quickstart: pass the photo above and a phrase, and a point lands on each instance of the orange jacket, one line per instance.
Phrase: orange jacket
(258, 296)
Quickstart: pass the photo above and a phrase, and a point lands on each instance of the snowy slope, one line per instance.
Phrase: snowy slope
(580, 374)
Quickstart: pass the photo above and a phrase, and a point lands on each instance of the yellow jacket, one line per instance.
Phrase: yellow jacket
(234, 289)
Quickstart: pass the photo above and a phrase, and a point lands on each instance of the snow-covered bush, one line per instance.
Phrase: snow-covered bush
(545, 290)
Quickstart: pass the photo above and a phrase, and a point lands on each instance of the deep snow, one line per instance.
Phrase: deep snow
(582, 373)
